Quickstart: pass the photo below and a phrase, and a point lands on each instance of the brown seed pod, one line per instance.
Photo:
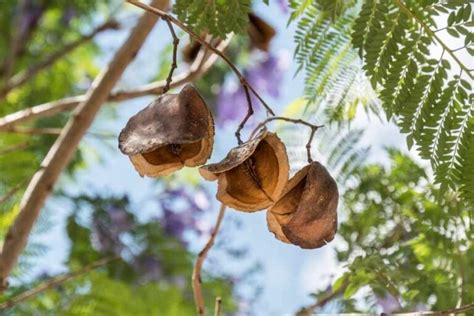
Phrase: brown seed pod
(252, 176)
(260, 32)
(307, 209)
(190, 51)
(174, 131)
(274, 226)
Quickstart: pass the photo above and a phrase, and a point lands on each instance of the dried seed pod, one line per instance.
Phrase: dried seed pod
(253, 175)
(260, 32)
(307, 209)
(190, 51)
(174, 131)
(274, 226)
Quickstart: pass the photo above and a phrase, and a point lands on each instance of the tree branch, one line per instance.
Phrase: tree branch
(54, 282)
(24, 76)
(201, 65)
(63, 149)
(206, 44)
(196, 278)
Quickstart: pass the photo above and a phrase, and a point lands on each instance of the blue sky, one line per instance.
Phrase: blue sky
(289, 273)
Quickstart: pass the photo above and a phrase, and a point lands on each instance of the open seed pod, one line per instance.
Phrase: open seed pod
(253, 175)
(307, 208)
(174, 131)
(260, 32)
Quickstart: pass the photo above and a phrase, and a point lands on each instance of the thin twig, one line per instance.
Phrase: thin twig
(217, 307)
(33, 130)
(66, 144)
(14, 148)
(313, 128)
(24, 76)
(199, 67)
(196, 278)
(54, 282)
(12, 192)
(249, 114)
(206, 44)
(174, 64)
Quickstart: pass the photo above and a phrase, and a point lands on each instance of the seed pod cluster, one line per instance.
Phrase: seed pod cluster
(177, 130)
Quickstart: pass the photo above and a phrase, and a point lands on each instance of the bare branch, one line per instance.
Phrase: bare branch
(12, 192)
(66, 144)
(24, 76)
(33, 130)
(54, 282)
(196, 278)
(14, 148)
(199, 67)
(247, 116)
(206, 44)
(174, 64)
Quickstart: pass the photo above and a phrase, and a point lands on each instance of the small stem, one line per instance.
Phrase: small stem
(247, 116)
(456, 49)
(313, 128)
(196, 278)
(12, 192)
(33, 130)
(206, 44)
(54, 282)
(308, 144)
(174, 64)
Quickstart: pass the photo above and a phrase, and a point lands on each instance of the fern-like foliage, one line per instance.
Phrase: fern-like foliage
(324, 50)
(423, 83)
(217, 17)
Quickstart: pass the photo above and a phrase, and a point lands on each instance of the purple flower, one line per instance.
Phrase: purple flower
(266, 77)
(232, 105)
(181, 211)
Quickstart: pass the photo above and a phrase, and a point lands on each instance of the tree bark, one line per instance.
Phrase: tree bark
(65, 146)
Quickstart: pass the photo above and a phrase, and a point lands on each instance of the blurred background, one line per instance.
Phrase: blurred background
(397, 249)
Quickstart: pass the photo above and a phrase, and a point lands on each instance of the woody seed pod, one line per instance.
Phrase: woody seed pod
(174, 131)
(307, 208)
(252, 176)
(260, 32)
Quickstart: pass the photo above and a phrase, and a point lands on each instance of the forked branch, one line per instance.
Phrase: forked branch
(202, 63)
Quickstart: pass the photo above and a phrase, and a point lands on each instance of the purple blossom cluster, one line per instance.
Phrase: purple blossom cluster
(182, 211)
(266, 77)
